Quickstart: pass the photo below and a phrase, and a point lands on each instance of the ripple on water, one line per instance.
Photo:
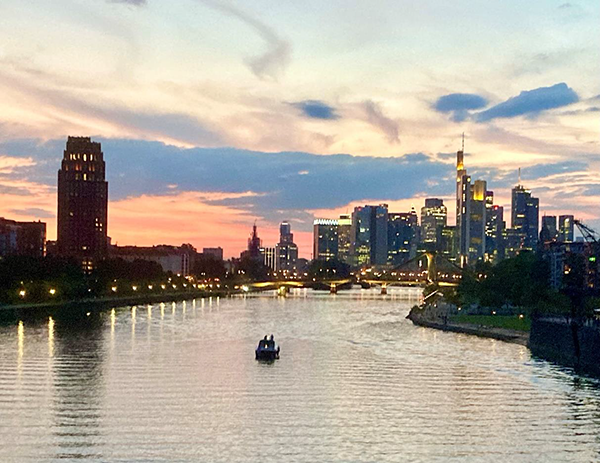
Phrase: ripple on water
(356, 382)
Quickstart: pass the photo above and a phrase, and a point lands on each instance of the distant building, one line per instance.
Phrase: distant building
(82, 202)
(345, 238)
(403, 236)
(449, 243)
(22, 238)
(514, 242)
(549, 231)
(477, 221)
(269, 257)
(434, 216)
(370, 235)
(325, 239)
(254, 245)
(566, 228)
(463, 207)
(525, 216)
(215, 253)
(494, 234)
(286, 250)
(176, 259)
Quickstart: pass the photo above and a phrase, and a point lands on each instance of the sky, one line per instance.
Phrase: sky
(214, 114)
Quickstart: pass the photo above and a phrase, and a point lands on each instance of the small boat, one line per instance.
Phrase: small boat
(267, 349)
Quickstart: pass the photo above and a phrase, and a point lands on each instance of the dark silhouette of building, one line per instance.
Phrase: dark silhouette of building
(286, 251)
(82, 202)
(370, 235)
(215, 253)
(549, 232)
(22, 238)
(254, 246)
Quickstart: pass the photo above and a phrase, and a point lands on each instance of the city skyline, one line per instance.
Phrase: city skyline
(222, 114)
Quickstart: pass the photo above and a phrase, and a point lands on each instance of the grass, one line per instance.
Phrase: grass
(511, 322)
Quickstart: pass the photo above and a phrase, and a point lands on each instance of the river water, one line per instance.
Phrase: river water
(356, 382)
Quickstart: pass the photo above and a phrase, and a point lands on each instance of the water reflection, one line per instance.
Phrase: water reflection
(78, 385)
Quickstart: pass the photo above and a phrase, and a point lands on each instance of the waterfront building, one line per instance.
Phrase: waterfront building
(566, 228)
(215, 253)
(344, 238)
(525, 216)
(403, 236)
(370, 235)
(325, 239)
(22, 238)
(178, 260)
(82, 202)
(286, 250)
(434, 216)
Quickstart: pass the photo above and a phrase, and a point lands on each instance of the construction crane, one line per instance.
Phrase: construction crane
(593, 264)
(588, 234)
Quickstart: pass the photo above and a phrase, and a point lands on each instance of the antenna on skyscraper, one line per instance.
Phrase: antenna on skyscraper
(463, 142)
(519, 176)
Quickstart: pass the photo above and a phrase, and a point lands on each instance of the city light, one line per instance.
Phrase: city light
(22, 293)
(52, 291)
(114, 289)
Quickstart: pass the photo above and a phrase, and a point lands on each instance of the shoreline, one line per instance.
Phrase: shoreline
(115, 301)
(500, 334)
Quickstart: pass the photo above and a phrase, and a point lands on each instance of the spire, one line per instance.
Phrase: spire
(519, 183)
(463, 142)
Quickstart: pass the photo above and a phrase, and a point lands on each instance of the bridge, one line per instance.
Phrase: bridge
(438, 270)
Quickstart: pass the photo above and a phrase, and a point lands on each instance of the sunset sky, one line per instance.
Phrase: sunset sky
(213, 114)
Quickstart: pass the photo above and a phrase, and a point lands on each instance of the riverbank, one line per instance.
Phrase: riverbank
(113, 301)
(436, 316)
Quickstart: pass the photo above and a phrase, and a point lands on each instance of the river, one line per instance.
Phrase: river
(356, 382)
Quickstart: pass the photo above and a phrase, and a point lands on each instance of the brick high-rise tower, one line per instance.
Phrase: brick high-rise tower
(82, 202)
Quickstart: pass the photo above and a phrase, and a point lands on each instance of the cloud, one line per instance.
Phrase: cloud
(316, 109)
(531, 103)
(33, 212)
(459, 104)
(376, 118)
(274, 60)
(565, 6)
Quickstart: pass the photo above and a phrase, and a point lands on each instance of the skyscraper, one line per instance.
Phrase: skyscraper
(477, 221)
(463, 206)
(549, 231)
(525, 216)
(434, 216)
(403, 235)
(286, 250)
(370, 235)
(566, 228)
(82, 202)
(254, 245)
(325, 239)
(344, 237)
(494, 234)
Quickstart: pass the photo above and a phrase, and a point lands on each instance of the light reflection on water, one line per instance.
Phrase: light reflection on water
(355, 382)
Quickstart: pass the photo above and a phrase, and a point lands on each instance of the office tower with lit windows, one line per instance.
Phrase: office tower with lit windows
(525, 216)
(463, 207)
(370, 235)
(449, 243)
(434, 216)
(82, 202)
(477, 221)
(494, 233)
(325, 239)
(403, 236)
(344, 237)
(566, 229)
